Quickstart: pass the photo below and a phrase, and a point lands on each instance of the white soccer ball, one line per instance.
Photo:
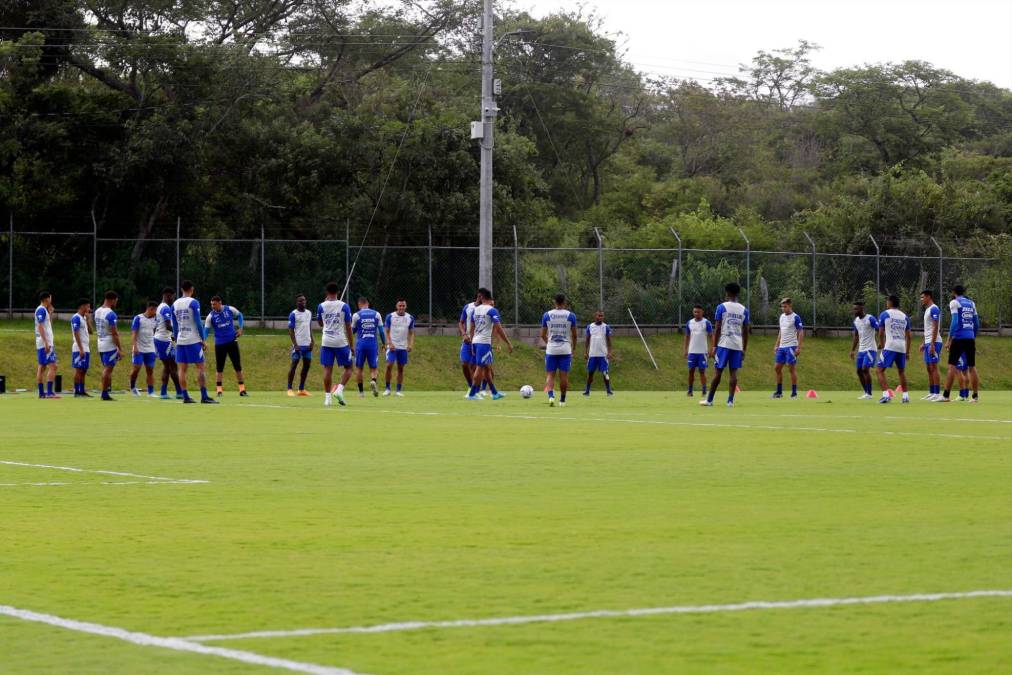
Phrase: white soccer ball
(527, 391)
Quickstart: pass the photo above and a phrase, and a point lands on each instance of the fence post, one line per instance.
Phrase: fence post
(516, 278)
(878, 278)
(347, 253)
(263, 286)
(679, 240)
(10, 269)
(430, 274)
(94, 257)
(941, 282)
(178, 229)
(748, 270)
(600, 268)
(812, 242)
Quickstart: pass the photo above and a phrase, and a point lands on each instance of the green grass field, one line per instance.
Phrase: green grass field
(432, 508)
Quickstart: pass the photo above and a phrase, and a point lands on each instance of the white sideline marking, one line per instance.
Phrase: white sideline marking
(610, 614)
(176, 644)
(104, 482)
(147, 479)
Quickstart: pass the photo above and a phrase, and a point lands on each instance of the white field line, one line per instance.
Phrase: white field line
(712, 425)
(124, 474)
(610, 614)
(175, 644)
(857, 417)
(104, 482)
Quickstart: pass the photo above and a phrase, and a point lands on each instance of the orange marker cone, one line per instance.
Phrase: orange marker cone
(811, 394)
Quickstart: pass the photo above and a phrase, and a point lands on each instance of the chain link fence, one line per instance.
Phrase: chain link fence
(659, 286)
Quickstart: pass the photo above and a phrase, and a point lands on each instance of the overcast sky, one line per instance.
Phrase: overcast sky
(708, 38)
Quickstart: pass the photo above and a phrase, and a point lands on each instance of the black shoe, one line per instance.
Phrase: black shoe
(208, 400)
(188, 400)
(243, 393)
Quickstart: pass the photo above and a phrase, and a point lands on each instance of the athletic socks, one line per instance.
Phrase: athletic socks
(562, 397)
(49, 388)
(780, 388)
(133, 382)
(794, 390)
(361, 388)
(690, 388)
(388, 386)
(165, 390)
(398, 386)
(42, 390)
(551, 394)
(491, 388)
(203, 393)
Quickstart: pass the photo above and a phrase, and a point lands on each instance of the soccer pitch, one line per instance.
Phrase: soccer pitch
(260, 531)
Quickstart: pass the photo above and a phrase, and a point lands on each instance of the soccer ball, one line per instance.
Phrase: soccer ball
(527, 391)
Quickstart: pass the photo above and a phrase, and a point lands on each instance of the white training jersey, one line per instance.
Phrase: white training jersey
(105, 321)
(186, 312)
(467, 317)
(559, 323)
(865, 327)
(931, 321)
(598, 333)
(334, 314)
(163, 331)
(79, 327)
(733, 318)
(43, 323)
(896, 325)
(145, 327)
(484, 317)
(398, 326)
(301, 321)
(698, 332)
(790, 326)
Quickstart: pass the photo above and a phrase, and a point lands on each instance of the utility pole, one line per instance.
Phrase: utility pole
(488, 115)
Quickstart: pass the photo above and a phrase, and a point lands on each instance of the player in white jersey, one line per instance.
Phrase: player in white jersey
(597, 351)
(788, 347)
(697, 347)
(731, 335)
(80, 350)
(164, 347)
(932, 347)
(467, 364)
(188, 330)
(109, 348)
(485, 324)
(894, 335)
(300, 331)
(338, 343)
(400, 331)
(142, 347)
(45, 348)
(558, 331)
(864, 348)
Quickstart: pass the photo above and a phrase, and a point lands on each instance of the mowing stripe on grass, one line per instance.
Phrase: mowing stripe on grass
(609, 614)
(176, 644)
(73, 469)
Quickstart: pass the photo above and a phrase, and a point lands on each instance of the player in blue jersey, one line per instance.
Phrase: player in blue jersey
(788, 347)
(467, 363)
(45, 347)
(164, 347)
(142, 332)
(109, 348)
(300, 330)
(597, 352)
(558, 332)
(337, 344)
(400, 328)
(697, 347)
(864, 348)
(962, 342)
(932, 346)
(80, 350)
(228, 323)
(484, 325)
(190, 338)
(367, 324)
(730, 331)
(894, 336)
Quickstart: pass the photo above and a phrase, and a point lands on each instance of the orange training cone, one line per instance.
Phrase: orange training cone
(811, 394)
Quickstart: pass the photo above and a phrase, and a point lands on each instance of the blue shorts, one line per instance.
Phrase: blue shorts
(483, 355)
(366, 352)
(728, 358)
(304, 353)
(560, 362)
(342, 355)
(189, 353)
(928, 358)
(866, 359)
(890, 358)
(787, 355)
(696, 361)
(110, 358)
(398, 356)
(145, 359)
(164, 350)
(466, 353)
(80, 361)
(597, 364)
(44, 358)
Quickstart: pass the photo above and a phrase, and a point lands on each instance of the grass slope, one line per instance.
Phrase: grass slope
(433, 508)
(824, 363)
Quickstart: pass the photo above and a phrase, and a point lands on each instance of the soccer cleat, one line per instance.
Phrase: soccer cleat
(291, 393)
(327, 400)
(551, 401)
(794, 397)
(386, 392)
(401, 394)
(776, 395)
(244, 393)
(611, 393)
(188, 400)
(972, 400)
(180, 397)
(885, 399)
(906, 398)
(208, 400)
(864, 397)
(928, 397)
(730, 404)
(304, 393)
(467, 396)
(942, 399)
(361, 394)
(135, 391)
(562, 404)
(374, 388)
(473, 398)
(498, 395)
(587, 394)
(708, 404)
(340, 398)
(689, 394)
